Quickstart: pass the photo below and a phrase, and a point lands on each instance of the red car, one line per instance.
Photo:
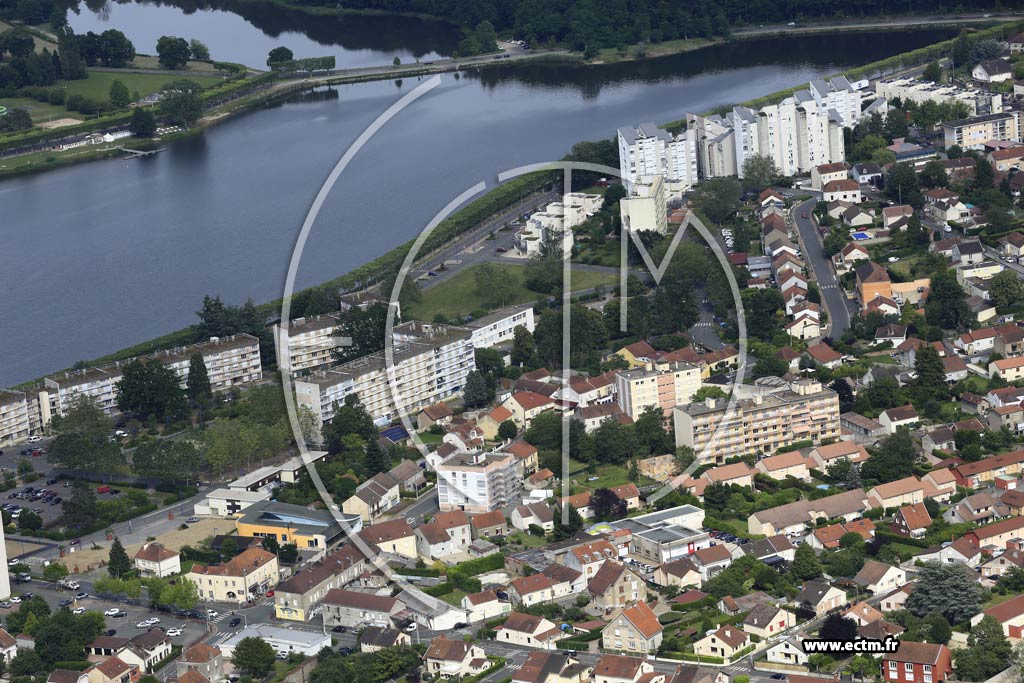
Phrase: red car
(803, 215)
(269, 594)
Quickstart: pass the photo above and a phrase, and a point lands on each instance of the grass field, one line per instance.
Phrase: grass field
(606, 477)
(39, 111)
(97, 85)
(457, 296)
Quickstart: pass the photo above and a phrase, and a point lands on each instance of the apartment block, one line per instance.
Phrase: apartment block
(914, 90)
(500, 326)
(555, 223)
(229, 361)
(308, 342)
(648, 150)
(663, 385)
(14, 422)
(645, 206)
(773, 417)
(973, 133)
(478, 482)
(431, 362)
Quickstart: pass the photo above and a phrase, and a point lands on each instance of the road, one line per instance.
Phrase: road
(879, 23)
(832, 293)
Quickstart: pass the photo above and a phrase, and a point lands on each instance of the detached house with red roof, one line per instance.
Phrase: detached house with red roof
(529, 630)
(531, 590)
(996, 535)
(726, 642)
(633, 629)
(484, 605)
(1009, 614)
(526, 405)
(587, 558)
(153, 559)
(446, 534)
(790, 464)
(917, 663)
(912, 520)
(615, 586)
(489, 422)
(455, 658)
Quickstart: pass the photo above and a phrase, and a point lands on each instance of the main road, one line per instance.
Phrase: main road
(832, 293)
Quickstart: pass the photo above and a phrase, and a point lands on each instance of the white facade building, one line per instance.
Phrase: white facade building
(308, 342)
(14, 422)
(648, 150)
(499, 326)
(478, 482)
(645, 207)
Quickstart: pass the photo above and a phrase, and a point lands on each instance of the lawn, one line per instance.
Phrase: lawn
(40, 112)
(457, 296)
(454, 598)
(606, 476)
(529, 540)
(97, 85)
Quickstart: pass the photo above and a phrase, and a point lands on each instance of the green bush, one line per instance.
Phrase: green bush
(669, 617)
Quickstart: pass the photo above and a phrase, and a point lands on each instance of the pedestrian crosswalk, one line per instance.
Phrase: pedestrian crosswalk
(704, 323)
(513, 666)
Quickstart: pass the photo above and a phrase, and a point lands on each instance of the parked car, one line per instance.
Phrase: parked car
(65, 602)
(234, 622)
(192, 520)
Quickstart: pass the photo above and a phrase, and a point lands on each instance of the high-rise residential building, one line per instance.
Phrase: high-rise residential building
(978, 102)
(646, 150)
(798, 133)
(645, 207)
(478, 482)
(430, 364)
(14, 422)
(500, 326)
(776, 415)
(663, 385)
(307, 342)
(229, 361)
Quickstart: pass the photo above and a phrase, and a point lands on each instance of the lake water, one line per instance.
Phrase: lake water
(104, 255)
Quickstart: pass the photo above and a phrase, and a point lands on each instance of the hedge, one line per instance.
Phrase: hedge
(440, 589)
(669, 617)
(704, 659)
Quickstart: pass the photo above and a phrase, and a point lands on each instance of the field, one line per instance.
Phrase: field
(457, 296)
(39, 111)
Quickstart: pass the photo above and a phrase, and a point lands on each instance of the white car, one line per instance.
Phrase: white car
(143, 624)
(112, 612)
(35, 438)
(410, 628)
(16, 600)
(212, 613)
(894, 259)
(78, 610)
(174, 632)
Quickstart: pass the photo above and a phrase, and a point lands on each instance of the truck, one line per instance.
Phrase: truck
(69, 584)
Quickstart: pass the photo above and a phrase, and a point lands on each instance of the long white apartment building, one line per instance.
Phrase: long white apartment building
(431, 362)
(308, 342)
(798, 133)
(230, 361)
(646, 150)
(14, 422)
(645, 207)
(663, 386)
(914, 90)
(772, 417)
(557, 219)
(478, 482)
(500, 326)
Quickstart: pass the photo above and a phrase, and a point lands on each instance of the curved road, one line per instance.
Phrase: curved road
(832, 293)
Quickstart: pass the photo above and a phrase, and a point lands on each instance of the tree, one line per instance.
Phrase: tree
(278, 56)
(949, 589)
(120, 564)
(197, 386)
(166, 458)
(172, 52)
(119, 95)
(476, 393)
(932, 72)
(902, 185)
(931, 373)
(30, 520)
(183, 594)
(987, 651)
(717, 198)
(376, 460)
(143, 123)
(228, 549)
(288, 553)
(54, 571)
(947, 304)
(494, 285)
(706, 392)
(1005, 288)
(254, 656)
(607, 506)
(182, 102)
(81, 441)
(198, 50)
(150, 389)
(770, 366)
(716, 496)
(935, 629)
(934, 174)
(863, 665)
(838, 627)
(574, 523)
(805, 563)
(523, 346)
(893, 459)
(759, 171)
(507, 430)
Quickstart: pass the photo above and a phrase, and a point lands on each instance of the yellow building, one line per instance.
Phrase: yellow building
(296, 524)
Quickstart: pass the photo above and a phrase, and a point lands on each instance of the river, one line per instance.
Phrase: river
(100, 256)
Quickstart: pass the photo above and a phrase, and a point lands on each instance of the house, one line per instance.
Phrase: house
(770, 550)
(883, 305)
(206, 660)
(537, 514)
(872, 280)
(824, 174)
(614, 586)
(879, 578)
(968, 252)
(997, 534)
(894, 418)
(528, 630)
(912, 520)
(819, 597)
(844, 190)
(1009, 614)
(240, 580)
(114, 670)
(895, 214)
(852, 253)
(998, 566)
(900, 492)
(789, 464)
(629, 494)
(917, 663)
(484, 605)
(863, 614)
(373, 497)
(1010, 369)
(980, 508)
(826, 537)
(1015, 44)
(455, 658)
(789, 651)
(489, 422)
(446, 534)
(892, 333)
(868, 173)
(856, 217)
(992, 71)
(152, 559)
(726, 642)
(633, 629)
(960, 551)
(525, 455)
(621, 669)
(1012, 244)
(489, 525)
(531, 590)
(823, 354)
(67, 676)
(681, 572)
(439, 414)
(409, 475)
(373, 638)
(897, 599)
(711, 561)
(829, 454)
(526, 405)
(550, 667)
(354, 609)
(767, 620)
(983, 472)
(8, 646)
(587, 558)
